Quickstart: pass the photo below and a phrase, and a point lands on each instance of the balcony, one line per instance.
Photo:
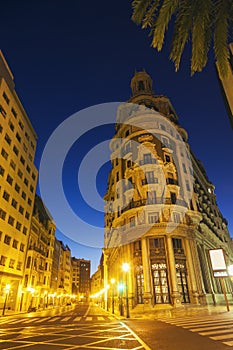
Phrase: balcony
(38, 250)
(153, 201)
(147, 161)
(171, 181)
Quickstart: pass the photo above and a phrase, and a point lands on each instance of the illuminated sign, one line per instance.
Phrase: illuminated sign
(218, 263)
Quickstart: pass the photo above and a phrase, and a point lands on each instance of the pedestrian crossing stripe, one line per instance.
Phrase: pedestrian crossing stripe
(51, 319)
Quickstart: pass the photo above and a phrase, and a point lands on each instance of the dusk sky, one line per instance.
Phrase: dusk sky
(69, 55)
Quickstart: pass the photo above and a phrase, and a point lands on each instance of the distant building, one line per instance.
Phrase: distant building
(38, 268)
(18, 179)
(81, 277)
(227, 87)
(97, 279)
(161, 214)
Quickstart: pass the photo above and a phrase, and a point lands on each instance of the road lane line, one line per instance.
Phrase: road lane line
(100, 318)
(65, 319)
(146, 347)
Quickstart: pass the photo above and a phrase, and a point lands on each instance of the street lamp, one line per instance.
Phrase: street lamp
(125, 268)
(112, 283)
(7, 291)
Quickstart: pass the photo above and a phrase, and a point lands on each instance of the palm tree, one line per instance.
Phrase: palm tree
(205, 22)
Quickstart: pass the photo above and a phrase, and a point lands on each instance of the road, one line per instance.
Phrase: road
(82, 328)
(88, 327)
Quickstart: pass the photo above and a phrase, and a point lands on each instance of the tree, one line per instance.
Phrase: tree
(205, 23)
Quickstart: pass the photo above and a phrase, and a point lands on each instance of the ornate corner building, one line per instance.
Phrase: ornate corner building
(161, 215)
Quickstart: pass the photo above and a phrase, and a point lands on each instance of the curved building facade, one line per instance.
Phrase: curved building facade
(161, 215)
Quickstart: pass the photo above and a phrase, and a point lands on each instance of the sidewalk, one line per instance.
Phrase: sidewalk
(42, 312)
(160, 311)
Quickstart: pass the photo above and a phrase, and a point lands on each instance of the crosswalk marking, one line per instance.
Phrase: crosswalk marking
(53, 319)
(30, 320)
(215, 327)
(42, 319)
(65, 319)
(222, 337)
(77, 318)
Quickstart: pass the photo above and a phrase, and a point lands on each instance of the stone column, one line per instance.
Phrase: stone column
(146, 273)
(192, 276)
(175, 295)
(105, 280)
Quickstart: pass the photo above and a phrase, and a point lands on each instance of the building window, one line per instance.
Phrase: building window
(22, 160)
(166, 142)
(150, 179)
(28, 169)
(1, 170)
(151, 197)
(31, 188)
(3, 260)
(8, 139)
(15, 244)
(29, 201)
(22, 247)
(176, 218)
(162, 127)
(11, 126)
(26, 181)
(17, 188)
(33, 176)
(27, 215)
(24, 230)
(187, 186)
(132, 221)
(18, 137)
(19, 266)
(7, 239)
(21, 125)
(15, 150)
(21, 210)
(147, 159)
(2, 214)
(23, 195)
(9, 179)
(11, 263)
(11, 220)
(14, 112)
(4, 154)
(12, 164)
(173, 197)
(6, 98)
(184, 168)
(167, 158)
(14, 203)
(6, 196)
(153, 217)
(2, 111)
(18, 226)
(20, 173)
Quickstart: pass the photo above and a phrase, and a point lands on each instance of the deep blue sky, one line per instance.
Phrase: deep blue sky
(69, 55)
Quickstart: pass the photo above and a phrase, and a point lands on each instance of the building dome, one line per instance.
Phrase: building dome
(141, 83)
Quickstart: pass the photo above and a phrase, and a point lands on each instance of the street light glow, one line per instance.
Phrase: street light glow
(125, 267)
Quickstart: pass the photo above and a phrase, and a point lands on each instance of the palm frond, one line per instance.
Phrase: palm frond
(182, 30)
(140, 9)
(221, 25)
(166, 11)
(150, 15)
(201, 34)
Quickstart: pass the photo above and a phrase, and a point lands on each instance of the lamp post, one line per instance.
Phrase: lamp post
(7, 291)
(125, 268)
(112, 283)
